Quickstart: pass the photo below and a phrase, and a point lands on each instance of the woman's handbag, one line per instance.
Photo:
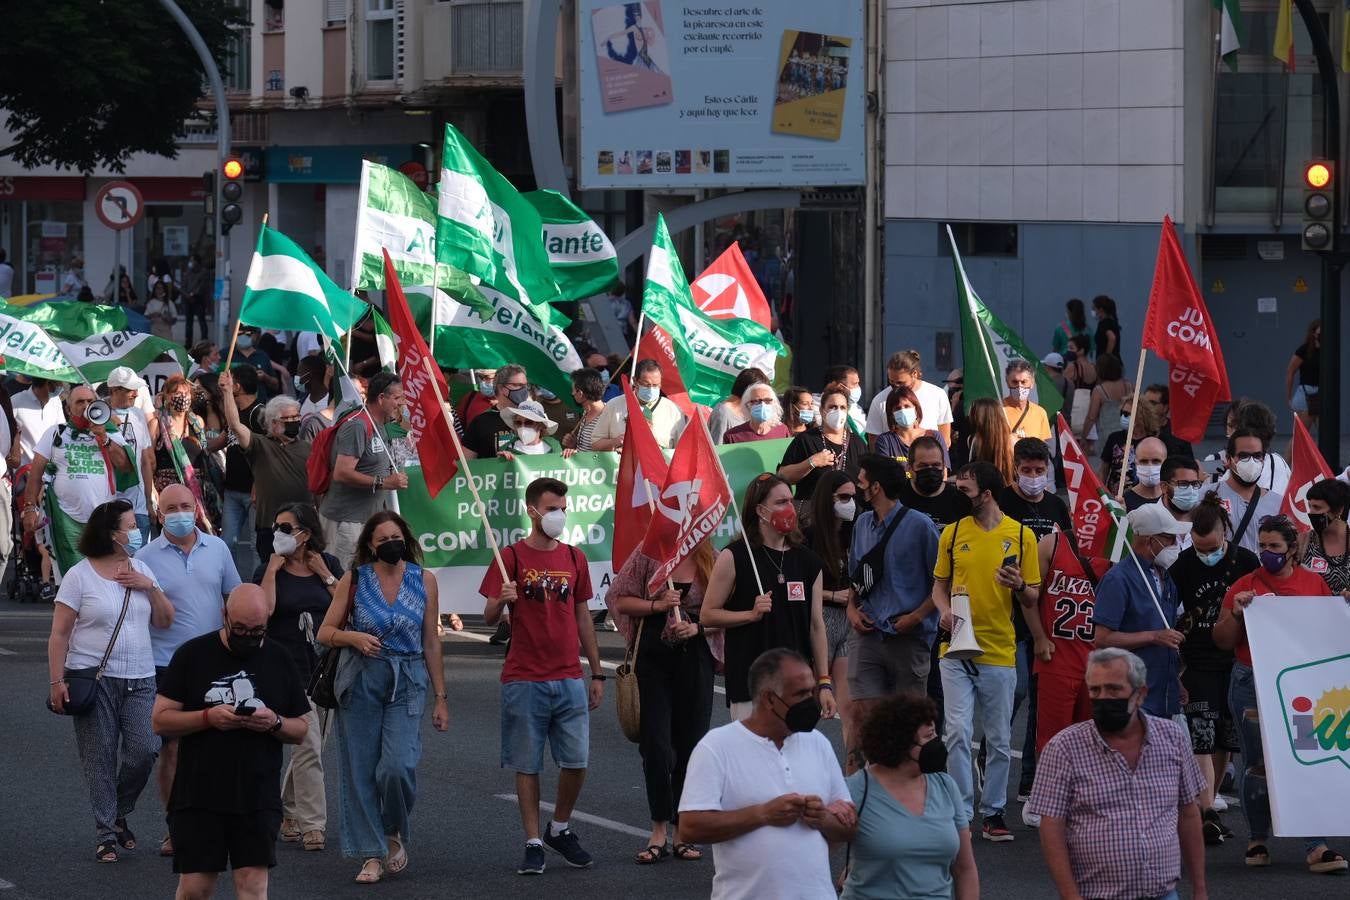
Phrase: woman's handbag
(626, 691)
(323, 682)
(82, 684)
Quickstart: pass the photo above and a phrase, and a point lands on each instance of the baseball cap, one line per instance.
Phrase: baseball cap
(1154, 518)
(1052, 361)
(125, 377)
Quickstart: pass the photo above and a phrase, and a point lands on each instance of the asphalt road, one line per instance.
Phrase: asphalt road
(467, 839)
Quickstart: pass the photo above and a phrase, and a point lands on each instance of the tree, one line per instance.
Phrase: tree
(86, 83)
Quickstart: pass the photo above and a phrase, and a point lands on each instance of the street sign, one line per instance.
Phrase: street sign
(119, 205)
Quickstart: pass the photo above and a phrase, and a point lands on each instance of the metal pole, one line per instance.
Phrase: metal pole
(1329, 427)
(222, 153)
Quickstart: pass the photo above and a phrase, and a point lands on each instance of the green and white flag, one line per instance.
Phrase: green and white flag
(1232, 32)
(285, 289)
(386, 344)
(27, 349)
(71, 319)
(486, 229)
(710, 352)
(988, 345)
(583, 259)
(467, 340)
(98, 354)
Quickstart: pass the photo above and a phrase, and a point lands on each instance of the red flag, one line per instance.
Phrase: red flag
(1308, 468)
(642, 471)
(1095, 513)
(727, 289)
(692, 504)
(656, 344)
(430, 431)
(1178, 328)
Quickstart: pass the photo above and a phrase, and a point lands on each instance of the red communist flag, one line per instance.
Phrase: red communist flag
(1094, 519)
(656, 344)
(1308, 468)
(727, 289)
(693, 502)
(642, 471)
(1178, 328)
(430, 429)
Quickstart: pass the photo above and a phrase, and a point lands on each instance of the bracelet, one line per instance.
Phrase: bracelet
(653, 606)
(825, 687)
(206, 719)
(55, 683)
(824, 681)
(599, 677)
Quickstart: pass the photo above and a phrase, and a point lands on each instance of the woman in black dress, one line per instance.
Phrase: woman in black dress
(829, 534)
(831, 445)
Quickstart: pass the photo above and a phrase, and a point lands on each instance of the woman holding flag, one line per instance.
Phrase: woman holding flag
(179, 447)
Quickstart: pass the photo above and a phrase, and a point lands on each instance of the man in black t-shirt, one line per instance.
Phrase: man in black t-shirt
(512, 388)
(927, 489)
(233, 698)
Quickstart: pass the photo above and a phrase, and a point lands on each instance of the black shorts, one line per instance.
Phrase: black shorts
(1207, 713)
(205, 841)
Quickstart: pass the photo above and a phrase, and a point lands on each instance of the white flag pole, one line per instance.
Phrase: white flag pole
(365, 409)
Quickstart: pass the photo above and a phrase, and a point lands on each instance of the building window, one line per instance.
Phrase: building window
(380, 40)
(239, 55)
(335, 12)
(982, 238)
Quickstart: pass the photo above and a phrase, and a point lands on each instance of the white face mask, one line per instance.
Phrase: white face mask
(553, 523)
(1249, 470)
(1149, 476)
(854, 394)
(1020, 393)
(1032, 485)
(845, 510)
(283, 543)
(528, 435)
(834, 419)
(1166, 557)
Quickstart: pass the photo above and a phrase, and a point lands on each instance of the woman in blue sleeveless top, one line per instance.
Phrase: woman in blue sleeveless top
(385, 612)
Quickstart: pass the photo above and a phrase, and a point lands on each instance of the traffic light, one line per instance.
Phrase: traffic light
(231, 191)
(1319, 224)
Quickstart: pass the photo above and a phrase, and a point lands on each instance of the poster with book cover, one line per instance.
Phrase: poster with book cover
(631, 56)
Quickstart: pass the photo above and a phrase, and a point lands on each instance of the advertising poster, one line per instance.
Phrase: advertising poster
(710, 95)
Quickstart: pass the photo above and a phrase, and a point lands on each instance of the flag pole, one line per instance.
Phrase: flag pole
(637, 339)
(238, 320)
(431, 339)
(365, 409)
(1129, 429)
(468, 476)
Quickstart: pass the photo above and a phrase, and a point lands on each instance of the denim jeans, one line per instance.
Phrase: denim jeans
(1252, 787)
(143, 525)
(1026, 690)
(970, 689)
(237, 530)
(379, 730)
(117, 748)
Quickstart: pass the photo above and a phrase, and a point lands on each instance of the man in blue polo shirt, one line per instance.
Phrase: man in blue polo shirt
(892, 612)
(197, 573)
(1139, 615)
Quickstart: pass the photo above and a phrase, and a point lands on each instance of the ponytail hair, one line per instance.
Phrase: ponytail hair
(1210, 514)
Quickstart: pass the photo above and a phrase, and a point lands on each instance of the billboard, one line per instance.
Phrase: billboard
(695, 95)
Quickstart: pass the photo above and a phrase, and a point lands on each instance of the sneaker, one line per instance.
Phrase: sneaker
(533, 863)
(996, 830)
(1229, 773)
(1023, 796)
(1029, 819)
(1211, 828)
(502, 635)
(1220, 804)
(566, 845)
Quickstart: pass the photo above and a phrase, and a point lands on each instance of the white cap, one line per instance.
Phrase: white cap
(1154, 518)
(125, 377)
(531, 410)
(1052, 361)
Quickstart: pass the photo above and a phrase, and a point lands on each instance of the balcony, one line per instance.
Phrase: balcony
(482, 38)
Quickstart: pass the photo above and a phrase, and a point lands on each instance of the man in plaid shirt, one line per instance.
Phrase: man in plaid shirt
(1117, 795)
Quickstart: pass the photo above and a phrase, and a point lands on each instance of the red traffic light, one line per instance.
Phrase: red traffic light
(1317, 175)
(232, 168)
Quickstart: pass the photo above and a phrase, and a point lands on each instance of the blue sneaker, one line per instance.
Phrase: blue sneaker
(566, 845)
(533, 863)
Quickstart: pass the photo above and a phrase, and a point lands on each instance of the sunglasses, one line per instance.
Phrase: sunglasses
(287, 528)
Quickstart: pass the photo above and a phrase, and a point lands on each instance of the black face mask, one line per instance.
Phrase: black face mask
(1319, 521)
(927, 481)
(519, 395)
(933, 757)
(244, 645)
(801, 717)
(1112, 714)
(292, 430)
(390, 552)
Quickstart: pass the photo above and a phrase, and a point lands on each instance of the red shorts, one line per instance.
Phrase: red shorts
(1061, 701)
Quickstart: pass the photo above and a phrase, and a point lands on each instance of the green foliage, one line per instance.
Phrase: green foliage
(86, 83)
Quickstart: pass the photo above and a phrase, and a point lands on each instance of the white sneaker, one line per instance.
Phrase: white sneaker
(1030, 819)
(1220, 804)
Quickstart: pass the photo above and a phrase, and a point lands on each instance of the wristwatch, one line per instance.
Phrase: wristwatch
(330, 580)
(276, 726)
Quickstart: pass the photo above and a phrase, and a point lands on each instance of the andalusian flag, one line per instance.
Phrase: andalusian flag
(285, 289)
(583, 259)
(709, 352)
(1284, 35)
(98, 354)
(27, 349)
(988, 345)
(71, 319)
(386, 345)
(1232, 32)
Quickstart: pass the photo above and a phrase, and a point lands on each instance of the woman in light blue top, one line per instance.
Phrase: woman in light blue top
(913, 840)
(385, 610)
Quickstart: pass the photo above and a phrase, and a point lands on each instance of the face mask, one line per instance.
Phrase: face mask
(845, 510)
(133, 541)
(1248, 471)
(244, 342)
(180, 403)
(180, 524)
(546, 395)
(928, 481)
(1032, 485)
(291, 429)
(761, 412)
(528, 435)
(487, 389)
(834, 419)
(1186, 498)
(1124, 422)
(553, 523)
(905, 416)
(1149, 476)
(1166, 557)
(1273, 562)
(283, 543)
(806, 416)
(518, 396)
(783, 520)
(1020, 393)
(1319, 521)
(243, 644)
(604, 375)
(801, 717)
(933, 757)
(648, 394)
(1212, 558)
(1112, 714)
(854, 394)
(390, 552)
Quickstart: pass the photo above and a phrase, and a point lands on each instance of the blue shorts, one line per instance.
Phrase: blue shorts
(533, 711)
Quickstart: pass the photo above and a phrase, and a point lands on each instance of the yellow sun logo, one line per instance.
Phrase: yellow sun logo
(1334, 703)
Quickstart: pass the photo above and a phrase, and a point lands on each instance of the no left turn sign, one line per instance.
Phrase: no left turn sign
(119, 205)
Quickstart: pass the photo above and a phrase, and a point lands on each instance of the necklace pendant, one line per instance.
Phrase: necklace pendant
(781, 579)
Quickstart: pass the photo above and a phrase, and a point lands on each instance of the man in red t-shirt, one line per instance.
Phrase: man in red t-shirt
(543, 695)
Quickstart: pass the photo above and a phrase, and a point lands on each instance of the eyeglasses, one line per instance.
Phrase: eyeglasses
(287, 528)
(1259, 456)
(1188, 484)
(844, 498)
(260, 631)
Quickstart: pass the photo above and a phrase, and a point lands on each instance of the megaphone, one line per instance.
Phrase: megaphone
(98, 413)
(963, 644)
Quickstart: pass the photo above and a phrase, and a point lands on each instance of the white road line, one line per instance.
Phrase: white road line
(588, 818)
(6, 885)
(482, 639)
(4, 652)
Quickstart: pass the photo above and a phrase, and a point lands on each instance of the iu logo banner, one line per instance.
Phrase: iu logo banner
(1308, 469)
(727, 289)
(1096, 525)
(693, 503)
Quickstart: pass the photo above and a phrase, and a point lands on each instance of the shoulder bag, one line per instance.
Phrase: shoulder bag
(82, 684)
(626, 697)
(322, 683)
(871, 567)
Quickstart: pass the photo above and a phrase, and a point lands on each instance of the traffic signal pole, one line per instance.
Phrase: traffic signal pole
(1333, 259)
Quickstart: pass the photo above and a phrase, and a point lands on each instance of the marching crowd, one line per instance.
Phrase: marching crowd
(234, 576)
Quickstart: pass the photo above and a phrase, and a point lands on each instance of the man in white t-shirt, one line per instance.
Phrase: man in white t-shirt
(767, 791)
(903, 370)
(664, 417)
(36, 410)
(124, 388)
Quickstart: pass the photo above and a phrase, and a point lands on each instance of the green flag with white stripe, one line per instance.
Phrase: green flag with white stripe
(583, 258)
(98, 354)
(386, 344)
(285, 289)
(27, 349)
(70, 319)
(1232, 31)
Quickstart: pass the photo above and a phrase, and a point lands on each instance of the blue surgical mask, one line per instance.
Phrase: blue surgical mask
(905, 416)
(1186, 498)
(180, 524)
(761, 412)
(648, 394)
(604, 375)
(1213, 558)
(487, 389)
(806, 416)
(134, 541)
(244, 342)
(1125, 422)
(546, 395)
(519, 395)
(854, 394)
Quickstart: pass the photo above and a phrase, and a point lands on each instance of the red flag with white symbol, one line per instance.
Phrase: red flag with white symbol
(727, 289)
(1098, 519)
(1178, 328)
(692, 503)
(1308, 468)
(642, 471)
(655, 344)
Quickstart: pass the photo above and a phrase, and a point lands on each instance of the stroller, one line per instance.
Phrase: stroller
(25, 584)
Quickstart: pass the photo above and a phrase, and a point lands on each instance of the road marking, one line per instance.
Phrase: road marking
(587, 818)
(483, 639)
(7, 885)
(4, 652)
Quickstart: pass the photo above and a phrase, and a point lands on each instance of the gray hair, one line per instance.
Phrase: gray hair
(1019, 365)
(774, 403)
(1108, 655)
(766, 670)
(505, 374)
(277, 407)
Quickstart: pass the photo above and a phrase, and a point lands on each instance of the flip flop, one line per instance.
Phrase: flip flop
(652, 855)
(688, 852)
(125, 838)
(1258, 856)
(372, 870)
(106, 852)
(1329, 862)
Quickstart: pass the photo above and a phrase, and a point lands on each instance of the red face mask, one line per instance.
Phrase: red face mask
(80, 422)
(784, 520)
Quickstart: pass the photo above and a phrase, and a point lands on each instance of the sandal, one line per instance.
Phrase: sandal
(106, 852)
(397, 860)
(313, 840)
(688, 852)
(166, 846)
(124, 836)
(1258, 856)
(371, 872)
(456, 623)
(652, 855)
(1329, 862)
(290, 831)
